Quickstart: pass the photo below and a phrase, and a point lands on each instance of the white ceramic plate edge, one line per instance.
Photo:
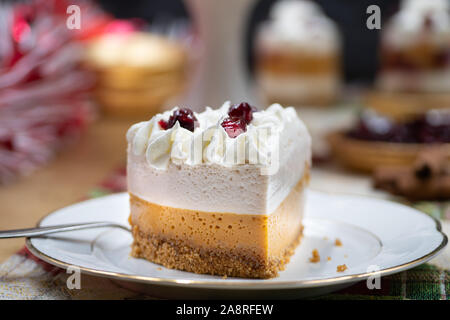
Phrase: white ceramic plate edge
(243, 285)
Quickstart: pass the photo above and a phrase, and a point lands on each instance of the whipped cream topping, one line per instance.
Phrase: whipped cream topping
(191, 170)
(411, 20)
(300, 24)
(209, 143)
(424, 5)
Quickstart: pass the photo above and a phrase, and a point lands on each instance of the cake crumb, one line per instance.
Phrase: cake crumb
(329, 258)
(341, 268)
(224, 276)
(315, 256)
(338, 242)
(159, 268)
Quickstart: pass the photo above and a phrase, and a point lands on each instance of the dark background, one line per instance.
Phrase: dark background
(360, 44)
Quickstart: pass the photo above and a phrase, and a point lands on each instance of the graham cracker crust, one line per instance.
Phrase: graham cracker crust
(177, 254)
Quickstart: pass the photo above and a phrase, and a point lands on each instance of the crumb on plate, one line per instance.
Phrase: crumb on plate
(315, 256)
(338, 242)
(329, 258)
(341, 268)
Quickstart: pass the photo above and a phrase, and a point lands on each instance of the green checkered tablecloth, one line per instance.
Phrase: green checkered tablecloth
(425, 282)
(23, 276)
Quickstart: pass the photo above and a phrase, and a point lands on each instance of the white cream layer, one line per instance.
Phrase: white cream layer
(215, 186)
(408, 24)
(209, 143)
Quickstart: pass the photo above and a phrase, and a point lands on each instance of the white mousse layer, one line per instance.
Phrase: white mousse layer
(213, 184)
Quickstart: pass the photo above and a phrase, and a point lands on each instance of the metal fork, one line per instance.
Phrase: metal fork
(40, 231)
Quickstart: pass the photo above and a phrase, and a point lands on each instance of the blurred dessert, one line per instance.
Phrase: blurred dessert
(219, 192)
(379, 141)
(298, 55)
(415, 49)
(137, 72)
(401, 106)
(432, 127)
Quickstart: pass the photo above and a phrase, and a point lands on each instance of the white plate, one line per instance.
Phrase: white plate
(373, 232)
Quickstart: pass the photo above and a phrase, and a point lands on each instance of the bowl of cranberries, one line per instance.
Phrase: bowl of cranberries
(379, 141)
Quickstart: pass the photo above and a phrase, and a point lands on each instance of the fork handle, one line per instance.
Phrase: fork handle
(39, 231)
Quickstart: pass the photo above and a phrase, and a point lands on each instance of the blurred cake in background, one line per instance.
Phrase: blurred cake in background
(137, 72)
(404, 139)
(297, 55)
(415, 48)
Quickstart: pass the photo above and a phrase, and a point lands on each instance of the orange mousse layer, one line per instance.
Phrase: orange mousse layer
(228, 244)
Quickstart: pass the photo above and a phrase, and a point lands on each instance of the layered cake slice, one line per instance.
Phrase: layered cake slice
(219, 192)
(415, 48)
(297, 55)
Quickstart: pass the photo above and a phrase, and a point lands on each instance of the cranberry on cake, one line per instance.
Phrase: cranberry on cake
(219, 192)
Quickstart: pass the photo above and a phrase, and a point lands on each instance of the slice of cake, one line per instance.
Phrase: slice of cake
(415, 48)
(218, 192)
(297, 55)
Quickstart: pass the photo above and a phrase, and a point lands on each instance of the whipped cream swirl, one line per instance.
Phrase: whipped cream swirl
(405, 26)
(209, 143)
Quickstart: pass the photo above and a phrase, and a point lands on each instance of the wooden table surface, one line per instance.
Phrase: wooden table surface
(64, 181)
